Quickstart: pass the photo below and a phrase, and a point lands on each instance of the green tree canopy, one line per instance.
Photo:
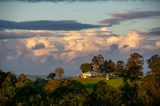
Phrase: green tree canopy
(109, 66)
(120, 67)
(66, 93)
(22, 81)
(51, 75)
(98, 63)
(104, 95)
(85, 67)
(134, 66)
(2, 77)
(7, 90)
(129, 94)
(150, 88)
(22, 77)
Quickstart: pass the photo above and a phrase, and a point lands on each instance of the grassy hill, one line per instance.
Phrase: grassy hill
(90, 82)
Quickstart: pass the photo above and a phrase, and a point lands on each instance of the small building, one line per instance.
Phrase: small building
(89, 74)
(107, 77)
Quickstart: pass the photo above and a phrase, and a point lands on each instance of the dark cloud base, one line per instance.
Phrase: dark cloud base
(66, 25)
(117, 18)
(155, 31)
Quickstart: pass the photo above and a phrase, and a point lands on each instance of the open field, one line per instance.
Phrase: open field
(90, 82)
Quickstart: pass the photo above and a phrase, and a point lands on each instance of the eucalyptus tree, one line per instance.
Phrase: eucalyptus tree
(134, 66)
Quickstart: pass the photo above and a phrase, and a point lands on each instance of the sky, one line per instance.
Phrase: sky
(36, 36)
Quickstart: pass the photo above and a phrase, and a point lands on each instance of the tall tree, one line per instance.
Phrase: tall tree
(98, 63)
(120, 68)
(152, 60)
(134, 66)
(59, 72)
(109, 66)
(101, 59)
(95, 64)
(150, 89)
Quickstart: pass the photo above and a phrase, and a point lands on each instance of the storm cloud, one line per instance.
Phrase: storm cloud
(117, 18)
(66, 25)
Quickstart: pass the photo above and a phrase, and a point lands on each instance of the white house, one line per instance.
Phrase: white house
(89, 74)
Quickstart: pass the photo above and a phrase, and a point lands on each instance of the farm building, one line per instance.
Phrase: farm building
(89, 74)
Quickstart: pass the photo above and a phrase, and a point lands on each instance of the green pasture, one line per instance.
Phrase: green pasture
(90, 82)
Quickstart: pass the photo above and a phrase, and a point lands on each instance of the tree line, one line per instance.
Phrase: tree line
(132, 69)
(20, 91)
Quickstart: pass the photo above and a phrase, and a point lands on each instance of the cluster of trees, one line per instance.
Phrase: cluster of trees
(132, 68)
(58, 71)
(69, 92)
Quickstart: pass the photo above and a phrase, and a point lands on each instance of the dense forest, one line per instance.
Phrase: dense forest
(136, 90)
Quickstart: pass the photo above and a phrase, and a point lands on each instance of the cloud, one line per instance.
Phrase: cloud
(158, 44)
(73, 43)
(66, 25)
(39, 46)
(154, 32)
(41, 54)
(117, 18)
(151, 39)
(23, 34)
(13, 35)
(131, 40)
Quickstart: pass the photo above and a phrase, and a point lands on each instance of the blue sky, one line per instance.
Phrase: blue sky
(85, 12)
(136, 22)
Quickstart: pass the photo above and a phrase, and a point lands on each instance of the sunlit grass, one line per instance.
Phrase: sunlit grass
(90, 82)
